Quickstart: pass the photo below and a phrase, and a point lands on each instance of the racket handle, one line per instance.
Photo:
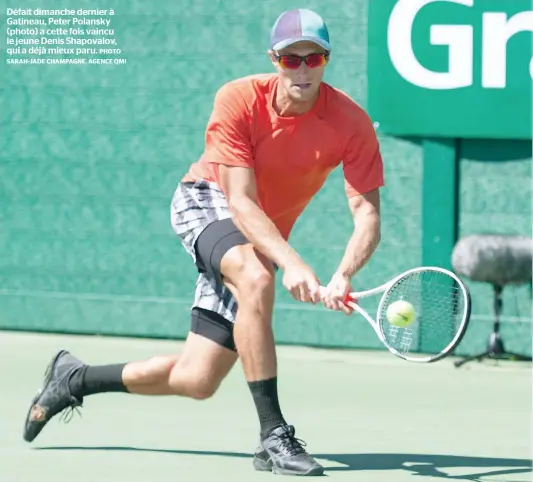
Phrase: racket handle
(349, 299)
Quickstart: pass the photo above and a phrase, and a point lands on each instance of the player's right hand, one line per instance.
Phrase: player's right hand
(301, 282)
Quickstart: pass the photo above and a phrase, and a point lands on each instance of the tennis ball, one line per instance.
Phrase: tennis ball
(401, 313)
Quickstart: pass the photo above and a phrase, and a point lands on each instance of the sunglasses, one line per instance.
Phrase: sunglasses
(292, 62)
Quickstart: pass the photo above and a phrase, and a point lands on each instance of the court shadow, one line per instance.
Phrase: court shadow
(473, 468)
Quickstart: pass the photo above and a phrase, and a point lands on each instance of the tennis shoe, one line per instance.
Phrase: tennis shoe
(283, 454)
(54, 396)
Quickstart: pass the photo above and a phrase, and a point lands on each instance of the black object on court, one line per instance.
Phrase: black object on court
(499, 260)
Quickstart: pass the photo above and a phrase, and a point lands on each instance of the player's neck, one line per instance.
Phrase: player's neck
(287, 107)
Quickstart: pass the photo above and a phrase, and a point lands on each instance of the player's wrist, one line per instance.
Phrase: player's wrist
(346, 273)
(288, 258)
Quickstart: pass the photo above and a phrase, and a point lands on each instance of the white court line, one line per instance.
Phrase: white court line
(188, 301)
(128, 298)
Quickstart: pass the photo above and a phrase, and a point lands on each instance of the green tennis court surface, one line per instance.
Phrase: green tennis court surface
(365, 416)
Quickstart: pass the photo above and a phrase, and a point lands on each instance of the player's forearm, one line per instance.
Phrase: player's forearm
(262, 232)
(362, 244)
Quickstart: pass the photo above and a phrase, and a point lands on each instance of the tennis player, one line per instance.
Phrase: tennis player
(271, 142)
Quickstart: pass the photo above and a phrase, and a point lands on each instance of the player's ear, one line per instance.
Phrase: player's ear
(271, 54)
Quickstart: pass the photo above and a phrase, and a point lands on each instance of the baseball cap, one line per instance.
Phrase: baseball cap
(297, 25)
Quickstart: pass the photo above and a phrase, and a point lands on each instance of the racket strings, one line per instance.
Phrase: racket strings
(439, 305)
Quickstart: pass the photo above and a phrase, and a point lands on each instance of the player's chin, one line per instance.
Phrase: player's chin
(303, 93)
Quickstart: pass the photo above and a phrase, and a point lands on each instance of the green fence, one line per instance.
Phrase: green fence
(90, 156)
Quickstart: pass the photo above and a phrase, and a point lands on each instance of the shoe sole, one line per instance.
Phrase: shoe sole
(267, 466)
(262, 465)
(315, 471)
(47, 378)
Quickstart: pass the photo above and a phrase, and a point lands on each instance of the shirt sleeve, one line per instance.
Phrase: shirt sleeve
(362, 161)
(228, 139)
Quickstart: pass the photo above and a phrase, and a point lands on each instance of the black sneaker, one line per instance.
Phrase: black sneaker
(282, 453)
(54, 396)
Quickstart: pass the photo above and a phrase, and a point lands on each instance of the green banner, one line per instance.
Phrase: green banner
(451, 68)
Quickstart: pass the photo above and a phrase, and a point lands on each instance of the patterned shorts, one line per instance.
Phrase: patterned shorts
(194, 207)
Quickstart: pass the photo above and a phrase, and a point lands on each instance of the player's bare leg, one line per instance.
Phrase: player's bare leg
(251, 280)
(196, 373)
(250, 277)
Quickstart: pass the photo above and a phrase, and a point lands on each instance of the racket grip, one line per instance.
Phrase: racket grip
(349, 299)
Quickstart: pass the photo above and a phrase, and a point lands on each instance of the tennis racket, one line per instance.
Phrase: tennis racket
(442, 306)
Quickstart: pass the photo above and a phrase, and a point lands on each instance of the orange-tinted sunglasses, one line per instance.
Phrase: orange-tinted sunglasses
(292, 62)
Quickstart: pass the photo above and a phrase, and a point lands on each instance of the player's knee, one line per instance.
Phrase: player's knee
(193, 381)
(197, 388)
(256, 279)
(203, 391)
(251, 277)
(248, 275)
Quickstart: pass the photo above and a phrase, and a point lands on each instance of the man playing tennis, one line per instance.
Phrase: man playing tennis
(271, 142)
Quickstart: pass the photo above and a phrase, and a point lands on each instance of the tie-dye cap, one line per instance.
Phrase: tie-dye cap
(298, 25)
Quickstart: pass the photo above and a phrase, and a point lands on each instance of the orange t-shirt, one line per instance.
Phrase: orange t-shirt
(291, 156)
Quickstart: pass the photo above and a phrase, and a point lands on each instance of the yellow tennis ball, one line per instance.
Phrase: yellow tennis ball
(401, 313)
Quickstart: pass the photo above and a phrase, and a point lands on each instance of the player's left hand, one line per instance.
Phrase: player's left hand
(335, 293)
